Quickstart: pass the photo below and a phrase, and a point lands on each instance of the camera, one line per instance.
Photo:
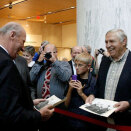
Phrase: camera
(10, 6)
(101, 51)
(48, 55)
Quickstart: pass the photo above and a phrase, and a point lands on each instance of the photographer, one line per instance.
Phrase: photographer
(96, 54)
(37, 54)
(101, 51)
(52, 79)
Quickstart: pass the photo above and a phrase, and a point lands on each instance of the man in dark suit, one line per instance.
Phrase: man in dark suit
(74, 51)
(114, 75)
(17, 108)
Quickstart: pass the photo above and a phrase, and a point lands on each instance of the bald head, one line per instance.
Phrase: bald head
(12, 38)
(11, 26)
(50, 48)
(75, 50)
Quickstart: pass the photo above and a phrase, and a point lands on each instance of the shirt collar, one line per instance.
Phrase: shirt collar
(122, 58)
(73, 62)
(3, 48)
(5, 51)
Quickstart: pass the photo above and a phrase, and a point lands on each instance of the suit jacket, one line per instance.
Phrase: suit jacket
(70, 62)
(22, 67)
(123, 90)
(60, 75)
(16, 108)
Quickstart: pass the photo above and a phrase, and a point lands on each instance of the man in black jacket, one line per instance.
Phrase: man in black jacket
(113, 81)
(16, 109)
(74, 51)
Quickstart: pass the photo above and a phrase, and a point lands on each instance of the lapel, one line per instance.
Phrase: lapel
(70, 62)
(2, 51)
(102, 75)
(124, 78)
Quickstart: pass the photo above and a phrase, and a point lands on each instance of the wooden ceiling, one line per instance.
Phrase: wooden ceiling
(47, 11)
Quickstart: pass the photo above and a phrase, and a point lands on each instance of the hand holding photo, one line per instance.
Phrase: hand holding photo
(53, 100)
(100, 107)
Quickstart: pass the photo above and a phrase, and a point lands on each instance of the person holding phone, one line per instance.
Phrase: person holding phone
(79, 89)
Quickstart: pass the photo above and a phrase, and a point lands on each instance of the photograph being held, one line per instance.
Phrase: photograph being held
(113, 81)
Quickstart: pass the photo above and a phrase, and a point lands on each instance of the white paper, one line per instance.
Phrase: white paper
(53, 100)
(100, 107)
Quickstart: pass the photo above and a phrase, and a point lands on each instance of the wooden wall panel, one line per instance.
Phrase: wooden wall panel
(63, 36)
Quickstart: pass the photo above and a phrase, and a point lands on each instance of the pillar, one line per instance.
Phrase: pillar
(96, 17)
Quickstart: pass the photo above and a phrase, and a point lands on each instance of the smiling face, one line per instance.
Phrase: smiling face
(16, 43)
(115, 46)
(12, 37)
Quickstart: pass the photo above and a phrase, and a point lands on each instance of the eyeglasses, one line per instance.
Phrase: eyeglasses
(78, 65)
(81, 65)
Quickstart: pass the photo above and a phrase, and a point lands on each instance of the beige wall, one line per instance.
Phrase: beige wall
(69, 35)
(68, 40)
(63, 36)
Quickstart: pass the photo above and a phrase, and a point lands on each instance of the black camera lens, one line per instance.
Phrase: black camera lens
(101, 51)
(48, 55)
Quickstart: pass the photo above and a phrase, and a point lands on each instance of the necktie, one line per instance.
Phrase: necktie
(46, 85)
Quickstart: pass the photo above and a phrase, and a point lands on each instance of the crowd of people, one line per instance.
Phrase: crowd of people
(30, 79)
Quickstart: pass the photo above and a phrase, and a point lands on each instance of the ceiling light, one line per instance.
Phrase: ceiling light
(49, 12)
(28, 17)
(27, 25)
(72, 7)
(13, 3)
(10, 5)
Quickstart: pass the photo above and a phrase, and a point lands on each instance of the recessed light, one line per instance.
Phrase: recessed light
(72, 7)
(49, 12)
(28, 17)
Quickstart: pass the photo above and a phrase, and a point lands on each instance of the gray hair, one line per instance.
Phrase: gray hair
(11, 26)
(120, 34)
(88, 48)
